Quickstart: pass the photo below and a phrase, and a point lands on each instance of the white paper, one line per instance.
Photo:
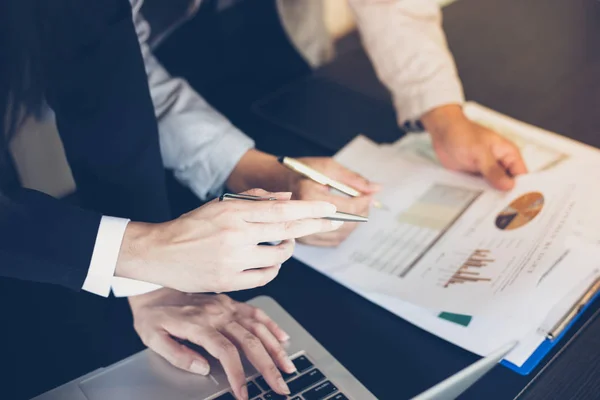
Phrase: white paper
(438, 220)
(536, 293)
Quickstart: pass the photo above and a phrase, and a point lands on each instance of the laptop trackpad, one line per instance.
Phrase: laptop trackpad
(148, 376)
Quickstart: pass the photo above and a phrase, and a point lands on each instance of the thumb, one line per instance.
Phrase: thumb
(355, 180)
(495, 173)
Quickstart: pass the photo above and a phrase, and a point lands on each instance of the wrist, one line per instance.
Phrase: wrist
(137, 240)
(142, 300)
(259, 170)
(441, 119)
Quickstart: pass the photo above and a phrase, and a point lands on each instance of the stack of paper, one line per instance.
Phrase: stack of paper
(470, 264)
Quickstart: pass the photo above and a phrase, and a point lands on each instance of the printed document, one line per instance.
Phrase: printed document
(448, 240)
(497, 264)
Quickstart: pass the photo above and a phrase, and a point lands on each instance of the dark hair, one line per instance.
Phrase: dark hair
(21, 75)
(21, 72)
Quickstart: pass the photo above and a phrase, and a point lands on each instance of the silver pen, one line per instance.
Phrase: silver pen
(338, 216)
(318, 177)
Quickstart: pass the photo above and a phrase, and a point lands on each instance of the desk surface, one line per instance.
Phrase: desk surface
(538, 61)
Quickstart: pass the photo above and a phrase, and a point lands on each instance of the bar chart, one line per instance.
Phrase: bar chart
(471, 270)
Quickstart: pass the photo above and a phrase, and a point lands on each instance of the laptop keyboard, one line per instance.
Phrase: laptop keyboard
(308, 383)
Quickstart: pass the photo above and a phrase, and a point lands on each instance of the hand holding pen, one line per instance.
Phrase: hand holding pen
(338, 216)
(216, 247)
(326, 180)
(315, 181)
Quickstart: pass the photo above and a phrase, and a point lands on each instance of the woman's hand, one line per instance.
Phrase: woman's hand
(306, 189)
(215, 248)
(220, 325)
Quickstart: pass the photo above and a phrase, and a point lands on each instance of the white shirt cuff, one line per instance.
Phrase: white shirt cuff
(106, 253)
(100, 277)
(125, 287)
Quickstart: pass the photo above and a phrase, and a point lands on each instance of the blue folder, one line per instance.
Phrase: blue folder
(548, 344)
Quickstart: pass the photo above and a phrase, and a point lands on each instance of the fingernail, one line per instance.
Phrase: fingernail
(375, 186)
(337, 224)
(244, 391)
(282, 386)
(285, 337)
(329, 208)
(199, 367)
(289, 365)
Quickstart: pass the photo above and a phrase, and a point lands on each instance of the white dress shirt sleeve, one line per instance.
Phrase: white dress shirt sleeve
(407, 45)
(124, 287)
(198, 143)
(105, 255)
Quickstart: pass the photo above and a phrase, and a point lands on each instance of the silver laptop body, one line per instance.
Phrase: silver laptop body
(148, 376)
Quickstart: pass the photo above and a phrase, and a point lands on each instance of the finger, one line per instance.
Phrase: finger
(267, 256)
(354, 205)
(319, 241)
(261, 193)
(179, 355)
(271, 344)
(283, 211)
(495, 173)
(352, 179)
(264, 193)
(251, 312)
(221, 348)
(331, 239)
(253, 278)
(256, 353)
(291, 230)
(510, 157)
(340, 235)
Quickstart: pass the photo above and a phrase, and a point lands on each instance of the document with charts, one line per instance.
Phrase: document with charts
(448, 241)
(495, 263)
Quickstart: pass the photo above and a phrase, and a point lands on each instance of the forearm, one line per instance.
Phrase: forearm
(259, 170)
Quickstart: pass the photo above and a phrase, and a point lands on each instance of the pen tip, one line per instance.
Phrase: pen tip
(280, 159)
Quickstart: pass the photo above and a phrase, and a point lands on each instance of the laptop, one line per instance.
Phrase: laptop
(320, 376)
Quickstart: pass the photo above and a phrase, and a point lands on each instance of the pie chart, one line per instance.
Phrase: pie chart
(520, 212)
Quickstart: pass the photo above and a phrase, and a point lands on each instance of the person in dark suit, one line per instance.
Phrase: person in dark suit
(84, 60)
(86, 56)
